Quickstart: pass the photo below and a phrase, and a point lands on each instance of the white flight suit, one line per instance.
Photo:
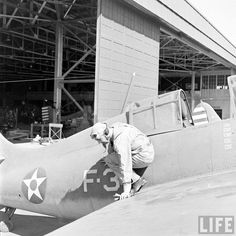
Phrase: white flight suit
(131, 149)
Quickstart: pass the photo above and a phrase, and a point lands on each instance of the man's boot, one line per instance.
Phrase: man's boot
(136, 186)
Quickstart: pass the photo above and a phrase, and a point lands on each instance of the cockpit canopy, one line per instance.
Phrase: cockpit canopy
(167, 112)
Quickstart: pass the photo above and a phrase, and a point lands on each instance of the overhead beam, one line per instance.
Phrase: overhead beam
(20, 17)
(68, 24)
(66, 2)
(199, 34)
(174, 64)
(72, 99)
(34, 37)
(39, 11)
(181, 37)
(81, 41)
(78, 81)
(79, 61)
(25, 51)
(69, 8)
(30, 11)
(46, 7)
(13, 14)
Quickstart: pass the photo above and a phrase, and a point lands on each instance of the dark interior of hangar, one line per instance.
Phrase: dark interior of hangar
(38, 36)
(29, 31)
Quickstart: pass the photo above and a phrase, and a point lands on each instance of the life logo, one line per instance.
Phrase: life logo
(34, 186)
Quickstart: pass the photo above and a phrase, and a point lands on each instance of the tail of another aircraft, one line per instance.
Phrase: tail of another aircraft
(232, 91)
(204, 113)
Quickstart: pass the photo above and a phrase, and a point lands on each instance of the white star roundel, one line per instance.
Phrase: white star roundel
(34, 186)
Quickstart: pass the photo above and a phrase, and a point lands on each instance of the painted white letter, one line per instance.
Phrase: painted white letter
(88, 181)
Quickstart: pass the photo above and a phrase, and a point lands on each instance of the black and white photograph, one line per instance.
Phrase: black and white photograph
(117, 117)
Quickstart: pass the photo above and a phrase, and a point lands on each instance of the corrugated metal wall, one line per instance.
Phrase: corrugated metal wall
(127, 42)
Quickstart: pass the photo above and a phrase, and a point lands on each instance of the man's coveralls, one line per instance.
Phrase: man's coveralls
(131, 149)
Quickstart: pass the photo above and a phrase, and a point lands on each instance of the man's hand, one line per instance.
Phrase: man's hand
(121, 196)
(125, 194)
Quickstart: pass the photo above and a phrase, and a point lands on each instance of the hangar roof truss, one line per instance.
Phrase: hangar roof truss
(28, 35)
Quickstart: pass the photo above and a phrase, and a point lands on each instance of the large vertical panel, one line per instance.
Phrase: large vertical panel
(127, 43)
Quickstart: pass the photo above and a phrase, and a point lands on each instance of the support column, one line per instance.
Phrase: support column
(97, 65)
(158, 75)
(58, 74)
(193, 90)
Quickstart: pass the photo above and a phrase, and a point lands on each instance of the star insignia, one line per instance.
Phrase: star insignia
(34, 186)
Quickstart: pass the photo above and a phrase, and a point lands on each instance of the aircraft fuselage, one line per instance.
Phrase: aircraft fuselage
(68, 179)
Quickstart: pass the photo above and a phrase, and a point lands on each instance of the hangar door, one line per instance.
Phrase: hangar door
(127, 43)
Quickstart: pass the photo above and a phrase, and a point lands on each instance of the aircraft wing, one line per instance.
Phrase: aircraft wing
(167, 209)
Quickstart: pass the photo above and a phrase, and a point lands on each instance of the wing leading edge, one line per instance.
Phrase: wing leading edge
(167, 209)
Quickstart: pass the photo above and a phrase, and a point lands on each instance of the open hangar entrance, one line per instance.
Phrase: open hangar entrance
(182, 48)
(80, 57)
(184, 67)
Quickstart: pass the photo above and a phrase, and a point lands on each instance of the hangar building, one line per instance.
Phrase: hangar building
(89, 58)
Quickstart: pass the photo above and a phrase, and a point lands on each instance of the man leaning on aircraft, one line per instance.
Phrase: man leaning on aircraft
(130, 152)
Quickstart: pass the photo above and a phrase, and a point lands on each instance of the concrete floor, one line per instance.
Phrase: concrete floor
(33, 224)
(167, 209)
